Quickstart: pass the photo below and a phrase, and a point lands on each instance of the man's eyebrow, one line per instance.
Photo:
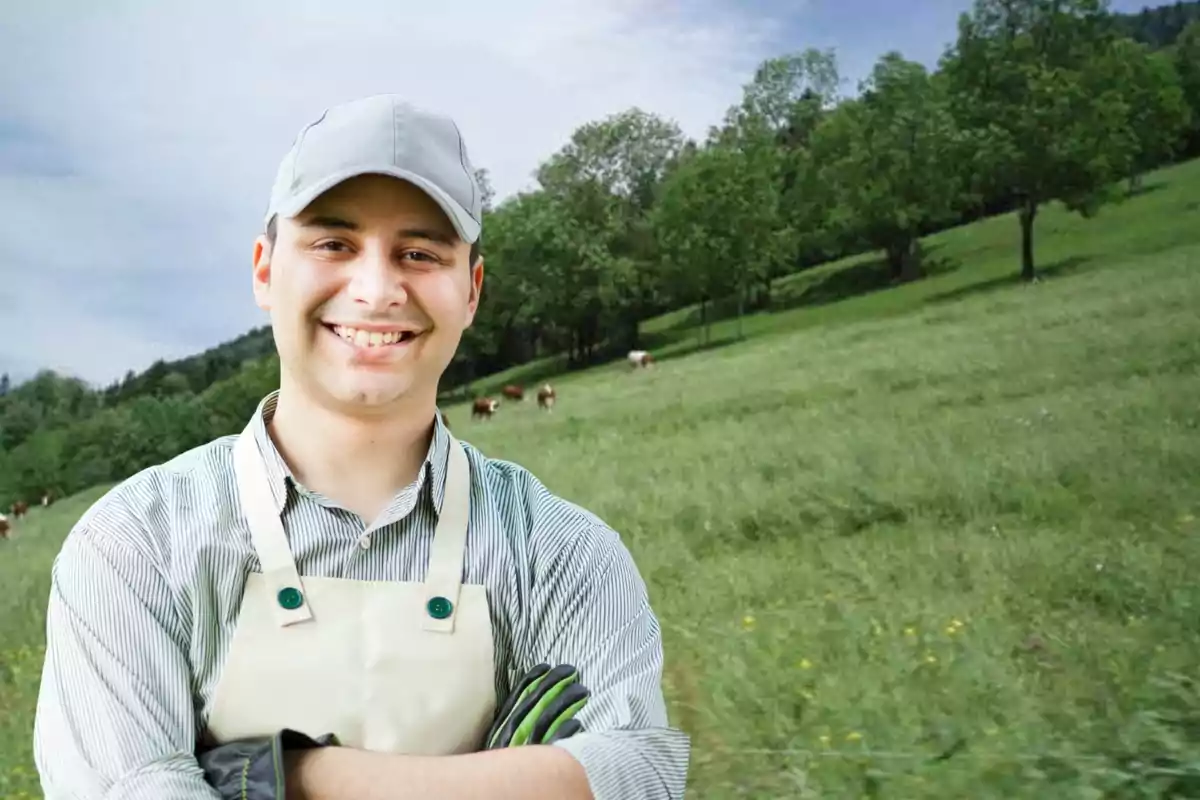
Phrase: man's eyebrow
(328, 222)
(429, 234)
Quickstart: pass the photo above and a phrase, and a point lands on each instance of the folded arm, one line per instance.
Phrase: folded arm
(588, 608)
(533, 772)
(114, 712)
(591, 609)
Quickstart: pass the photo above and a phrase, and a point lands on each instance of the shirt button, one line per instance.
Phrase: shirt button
(439, 607)
(290, 598)
(364, 541)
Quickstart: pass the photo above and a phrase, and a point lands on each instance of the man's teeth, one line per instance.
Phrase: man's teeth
(369, 338)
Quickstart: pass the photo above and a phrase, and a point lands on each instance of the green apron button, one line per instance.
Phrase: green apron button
(290, 598)
(439, 607)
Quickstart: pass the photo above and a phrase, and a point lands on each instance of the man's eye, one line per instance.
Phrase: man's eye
(418, 254)
(329, 245)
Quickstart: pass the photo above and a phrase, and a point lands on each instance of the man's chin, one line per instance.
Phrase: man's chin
(368, 393)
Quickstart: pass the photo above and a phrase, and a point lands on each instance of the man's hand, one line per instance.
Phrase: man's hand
(255, 769)
(541, 709)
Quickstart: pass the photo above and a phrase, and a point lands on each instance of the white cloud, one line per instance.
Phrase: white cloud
(172, 117)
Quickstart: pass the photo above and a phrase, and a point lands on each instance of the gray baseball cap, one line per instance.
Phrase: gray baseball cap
(383, 135)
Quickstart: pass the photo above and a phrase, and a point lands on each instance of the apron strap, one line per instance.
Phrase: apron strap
(267, 535)
(443, 580)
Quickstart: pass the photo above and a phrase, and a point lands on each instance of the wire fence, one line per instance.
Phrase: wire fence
(898, 755)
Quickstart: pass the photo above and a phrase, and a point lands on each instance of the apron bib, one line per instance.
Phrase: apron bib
(399, 667)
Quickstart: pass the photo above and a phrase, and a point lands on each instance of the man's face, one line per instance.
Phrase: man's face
(369, 291)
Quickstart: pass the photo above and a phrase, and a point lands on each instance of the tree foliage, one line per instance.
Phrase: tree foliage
(889, 161)
(1036, 84)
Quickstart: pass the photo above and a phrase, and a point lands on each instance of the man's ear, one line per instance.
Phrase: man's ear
(476, 290)
(262, 272)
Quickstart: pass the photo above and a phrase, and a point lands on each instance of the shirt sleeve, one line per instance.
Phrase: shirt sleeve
(115, 717)
(590, 609)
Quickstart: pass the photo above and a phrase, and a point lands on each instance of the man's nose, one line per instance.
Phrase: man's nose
(377, 282)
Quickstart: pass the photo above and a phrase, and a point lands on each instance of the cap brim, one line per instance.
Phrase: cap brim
(466, 227)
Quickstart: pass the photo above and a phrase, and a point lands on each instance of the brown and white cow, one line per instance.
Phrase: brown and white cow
(513, 392)
(4, 527)
(546, 397)
(639, 358)
(484, 407)
(47, 498)
(19, 509)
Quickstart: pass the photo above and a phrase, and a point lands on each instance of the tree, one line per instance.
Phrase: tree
(719, 223)
(786, 94)
(783, 104)
(514, 296)
(1186, 52)
(1029, 82)
(174, 383)
(1158, 110)
(889, 160)
(606, 180)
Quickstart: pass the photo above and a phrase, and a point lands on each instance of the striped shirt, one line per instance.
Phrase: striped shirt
(146, 590)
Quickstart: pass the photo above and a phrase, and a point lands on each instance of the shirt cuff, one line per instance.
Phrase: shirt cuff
(643, 764)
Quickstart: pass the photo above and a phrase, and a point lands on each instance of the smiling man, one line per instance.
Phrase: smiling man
(344, 565)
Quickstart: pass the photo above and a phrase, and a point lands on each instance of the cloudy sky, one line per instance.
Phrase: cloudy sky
(139, 138)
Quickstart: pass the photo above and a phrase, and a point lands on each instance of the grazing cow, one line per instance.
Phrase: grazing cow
(639, 358)
(513, 392)
(546, 397)
(47, 498)
(484, 407)
(19, 509)
(4, 527)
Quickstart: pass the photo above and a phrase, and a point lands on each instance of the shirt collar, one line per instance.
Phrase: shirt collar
(279, 474)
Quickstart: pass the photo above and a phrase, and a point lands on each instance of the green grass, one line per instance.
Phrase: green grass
(25, 582)
(954, 517)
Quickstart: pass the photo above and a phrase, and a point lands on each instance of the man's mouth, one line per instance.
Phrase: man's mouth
(373, 338)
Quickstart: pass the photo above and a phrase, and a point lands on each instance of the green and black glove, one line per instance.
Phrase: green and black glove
(253, 769)
(541, 709)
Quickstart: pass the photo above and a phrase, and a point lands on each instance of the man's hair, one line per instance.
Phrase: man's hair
(272, 232)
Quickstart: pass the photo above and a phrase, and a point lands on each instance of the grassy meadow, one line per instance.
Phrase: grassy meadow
(937, 540)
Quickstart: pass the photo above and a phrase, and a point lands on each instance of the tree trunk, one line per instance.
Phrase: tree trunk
(903, 262)
(741, 305)
(633, 332)
(1027, 214)
(704, 320)
(895, 262)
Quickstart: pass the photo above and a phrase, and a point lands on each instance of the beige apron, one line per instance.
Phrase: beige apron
(384, 665)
